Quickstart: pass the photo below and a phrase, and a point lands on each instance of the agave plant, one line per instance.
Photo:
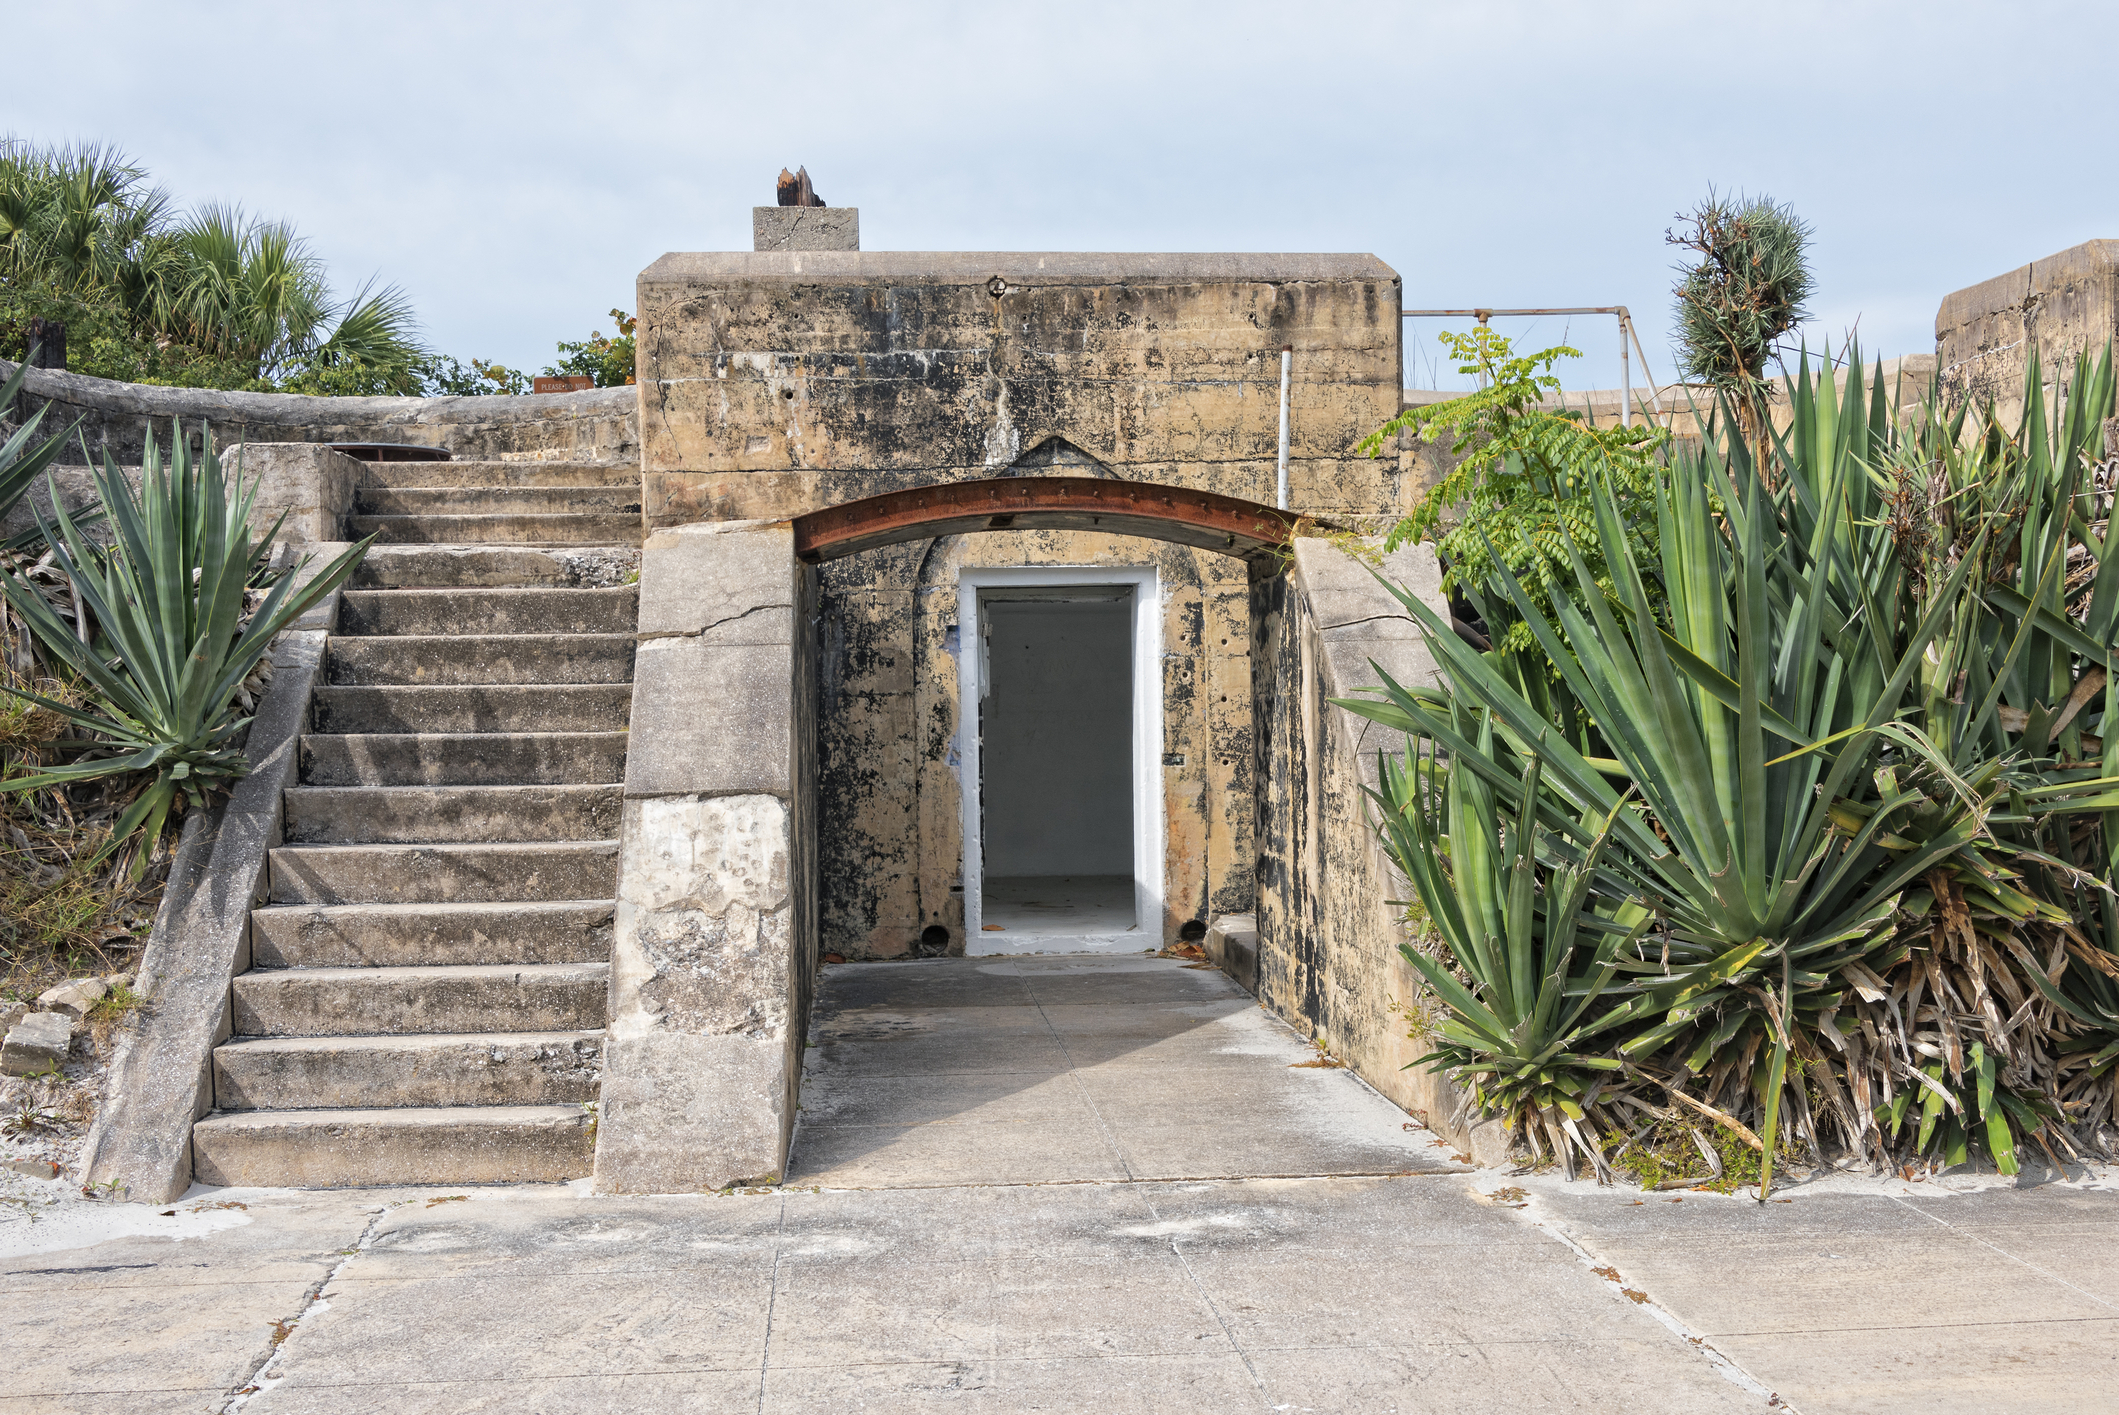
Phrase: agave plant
(1861, 817)
(177, 636)
(1516, 909)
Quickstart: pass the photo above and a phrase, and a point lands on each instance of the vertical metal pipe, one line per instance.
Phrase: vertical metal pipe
(1287, 354)
(1625, 377)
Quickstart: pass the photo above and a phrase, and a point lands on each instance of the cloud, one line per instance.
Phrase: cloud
(515, 166)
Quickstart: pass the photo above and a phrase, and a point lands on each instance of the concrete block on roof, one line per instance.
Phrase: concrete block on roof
(805, 228)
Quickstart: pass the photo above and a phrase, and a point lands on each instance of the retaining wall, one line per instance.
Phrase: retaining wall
(600, 425)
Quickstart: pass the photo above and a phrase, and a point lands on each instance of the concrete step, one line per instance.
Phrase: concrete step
(396, 474)
(437, 935)
(425, 815)
(519, 707)
(490, 611)
(442, 1069)
(324, 1149)
(465, 566)
(464, 759)
(480, 658)
(443, 874)
(330, 1002)
(496, 500)
(499, 529)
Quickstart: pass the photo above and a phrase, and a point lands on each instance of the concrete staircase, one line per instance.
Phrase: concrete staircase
(425, 1001)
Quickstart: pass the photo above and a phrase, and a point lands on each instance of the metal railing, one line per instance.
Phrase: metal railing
(1626, 333)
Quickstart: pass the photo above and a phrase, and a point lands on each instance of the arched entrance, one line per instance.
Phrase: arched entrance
(1076, 711)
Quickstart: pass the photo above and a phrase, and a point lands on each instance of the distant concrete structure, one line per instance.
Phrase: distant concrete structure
(2058, 307)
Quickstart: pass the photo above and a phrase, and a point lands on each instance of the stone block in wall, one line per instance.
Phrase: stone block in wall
(709, 718)
(720, 583)
(702, 1041)
(805, 228)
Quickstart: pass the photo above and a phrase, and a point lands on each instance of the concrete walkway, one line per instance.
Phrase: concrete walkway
(1049, 1184)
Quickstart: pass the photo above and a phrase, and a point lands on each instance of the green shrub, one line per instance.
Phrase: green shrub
(176, 634)
(608, 361)
(1860, 782)
(1519, 495)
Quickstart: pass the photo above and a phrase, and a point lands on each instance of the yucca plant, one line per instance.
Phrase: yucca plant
(1862, 819)
(177, 636)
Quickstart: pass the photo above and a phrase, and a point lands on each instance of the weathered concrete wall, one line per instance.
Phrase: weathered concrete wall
(773, 384)
(2060, 306)
(1327, 953)
(714, 946)
(595, 426)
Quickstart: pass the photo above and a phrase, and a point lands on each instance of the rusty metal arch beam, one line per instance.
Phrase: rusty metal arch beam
(1225, 524)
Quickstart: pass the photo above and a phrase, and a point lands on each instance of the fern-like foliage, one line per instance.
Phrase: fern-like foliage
(1521, 490)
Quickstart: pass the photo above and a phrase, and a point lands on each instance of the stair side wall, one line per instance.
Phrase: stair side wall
(598, 425)
(161, 1077)
(714, 945)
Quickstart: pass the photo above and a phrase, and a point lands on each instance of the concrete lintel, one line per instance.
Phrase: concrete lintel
(805, 228)
(161, 1077)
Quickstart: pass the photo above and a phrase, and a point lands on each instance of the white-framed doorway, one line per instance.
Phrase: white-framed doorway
(1062, 912)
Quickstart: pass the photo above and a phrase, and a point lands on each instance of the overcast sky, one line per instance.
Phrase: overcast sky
(514, 166)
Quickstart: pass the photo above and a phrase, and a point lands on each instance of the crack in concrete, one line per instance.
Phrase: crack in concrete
(2025, 1262)
(1324, 628)
(772, 1296)
(1716, 1360)
(646, 638)
(260, 1377)
(1178, 1252)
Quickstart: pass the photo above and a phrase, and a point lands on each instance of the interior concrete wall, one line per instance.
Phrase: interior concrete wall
(890, 831)
(1056, 739)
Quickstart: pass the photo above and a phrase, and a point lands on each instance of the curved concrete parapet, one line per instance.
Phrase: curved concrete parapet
(599, 425)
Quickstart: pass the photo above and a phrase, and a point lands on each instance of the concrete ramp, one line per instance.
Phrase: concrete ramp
(1075, 1068)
